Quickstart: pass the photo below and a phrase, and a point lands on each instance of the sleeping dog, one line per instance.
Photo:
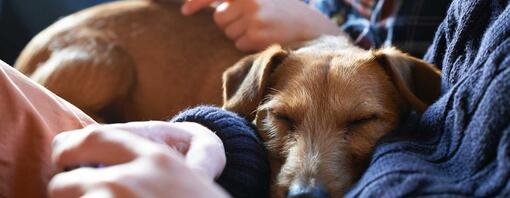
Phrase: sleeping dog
(321, 108)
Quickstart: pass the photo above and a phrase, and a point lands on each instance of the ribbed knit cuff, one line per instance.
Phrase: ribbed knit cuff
(246, 173)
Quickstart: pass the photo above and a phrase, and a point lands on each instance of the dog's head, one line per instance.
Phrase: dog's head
(321, 110)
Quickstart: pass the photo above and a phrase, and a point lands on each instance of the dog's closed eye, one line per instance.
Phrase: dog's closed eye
(357, 122)
(284, 119)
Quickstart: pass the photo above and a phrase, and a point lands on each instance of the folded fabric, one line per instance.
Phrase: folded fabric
(461, 144)
(31, 116)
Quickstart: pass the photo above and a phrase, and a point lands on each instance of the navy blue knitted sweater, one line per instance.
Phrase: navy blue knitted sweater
(459, 147)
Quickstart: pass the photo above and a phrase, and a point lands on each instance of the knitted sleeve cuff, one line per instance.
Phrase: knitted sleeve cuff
(246, 173)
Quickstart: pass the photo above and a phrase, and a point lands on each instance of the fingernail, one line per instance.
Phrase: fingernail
(222, 6)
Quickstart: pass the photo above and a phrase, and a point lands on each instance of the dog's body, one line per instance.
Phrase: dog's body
(131, 60)
(322, 108)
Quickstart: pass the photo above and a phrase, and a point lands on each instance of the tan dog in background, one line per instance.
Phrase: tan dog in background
(322, 108)
(131, 60)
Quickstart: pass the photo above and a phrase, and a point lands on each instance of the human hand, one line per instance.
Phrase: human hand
(256, 24)
(137, 161)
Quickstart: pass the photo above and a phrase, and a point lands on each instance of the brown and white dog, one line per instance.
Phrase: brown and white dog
(131, 60)
(322, 108)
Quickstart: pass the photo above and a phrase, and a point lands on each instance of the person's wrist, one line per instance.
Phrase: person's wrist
(213, 147)
(319, 25)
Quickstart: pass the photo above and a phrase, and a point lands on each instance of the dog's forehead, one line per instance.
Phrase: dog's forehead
(342, 57)
(332, 78)
(339, 64)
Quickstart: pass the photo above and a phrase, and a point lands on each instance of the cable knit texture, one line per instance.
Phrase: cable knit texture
(247, 170)
(460, 146)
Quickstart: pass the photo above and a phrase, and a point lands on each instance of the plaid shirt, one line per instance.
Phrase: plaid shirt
(408, 24)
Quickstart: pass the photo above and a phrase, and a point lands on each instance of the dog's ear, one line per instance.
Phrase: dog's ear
(244, 83)
(417, 81)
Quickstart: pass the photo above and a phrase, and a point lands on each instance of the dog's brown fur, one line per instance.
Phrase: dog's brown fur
(322, 108)
(131, 60)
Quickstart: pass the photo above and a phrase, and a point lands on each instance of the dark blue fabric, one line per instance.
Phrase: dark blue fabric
(246, 174)
(461, 144)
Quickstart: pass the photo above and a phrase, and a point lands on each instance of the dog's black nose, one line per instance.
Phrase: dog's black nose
(298, 191)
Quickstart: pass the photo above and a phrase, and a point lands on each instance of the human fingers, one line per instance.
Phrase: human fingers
(98, 193)
(68, 184)
(236, 29)
(206, 153)
(252, 41)
(83, 147)
(192, 6)
(114, 181)
(166, 133)
(227, 13)
(158, 172)
(94, 146)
